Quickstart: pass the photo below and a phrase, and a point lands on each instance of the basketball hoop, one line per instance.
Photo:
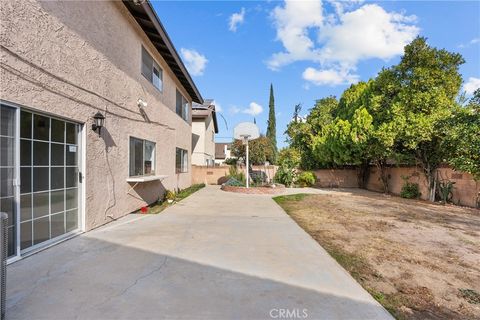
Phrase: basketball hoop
(246, 131)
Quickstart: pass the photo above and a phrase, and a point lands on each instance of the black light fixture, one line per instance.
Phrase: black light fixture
(98, 119)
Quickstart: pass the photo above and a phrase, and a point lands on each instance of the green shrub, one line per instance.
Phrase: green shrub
(285, 175)
(231, 161)
(233, 172)
(410, 190)
(234, 183)
(445, 191)
(306, 179)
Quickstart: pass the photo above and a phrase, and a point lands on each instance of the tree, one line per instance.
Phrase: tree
(259, 150)
(422, 92)
(301, 134)
(463, 137)
(271, 127)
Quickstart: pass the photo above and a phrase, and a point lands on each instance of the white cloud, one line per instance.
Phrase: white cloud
(337, 42)
(194, 61)
(254, 109)
(236, 19)
(234, 110)
(293, 22)
(471, 42)
(471, 85)
(328, 77)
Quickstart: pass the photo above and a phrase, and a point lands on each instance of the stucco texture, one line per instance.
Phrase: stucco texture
(71, 59)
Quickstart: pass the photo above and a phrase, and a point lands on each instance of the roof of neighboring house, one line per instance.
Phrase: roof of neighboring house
(200, 111)
(148, 20)
(220, 150)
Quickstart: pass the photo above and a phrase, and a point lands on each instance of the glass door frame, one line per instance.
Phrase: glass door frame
(16, 184)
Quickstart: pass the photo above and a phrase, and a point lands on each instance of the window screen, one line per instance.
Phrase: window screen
(142, 157)
(181, 160)
(151, 70)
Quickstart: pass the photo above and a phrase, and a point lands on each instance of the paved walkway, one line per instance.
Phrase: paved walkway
(215, 255)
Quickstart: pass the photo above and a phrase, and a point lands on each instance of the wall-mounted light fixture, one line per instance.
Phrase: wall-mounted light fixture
(141, 103)
(98, 120)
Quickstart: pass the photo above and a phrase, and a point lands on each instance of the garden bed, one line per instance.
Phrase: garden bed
(278, 189)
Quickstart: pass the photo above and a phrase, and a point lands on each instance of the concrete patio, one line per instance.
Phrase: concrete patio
(215, 255)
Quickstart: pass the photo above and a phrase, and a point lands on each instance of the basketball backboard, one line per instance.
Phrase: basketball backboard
(246, 131)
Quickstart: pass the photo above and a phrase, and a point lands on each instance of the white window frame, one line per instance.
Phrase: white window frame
(154, 162)
(155, 66)
(185, 110)
(183, 160)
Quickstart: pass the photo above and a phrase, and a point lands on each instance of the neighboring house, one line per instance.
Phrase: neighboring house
(222, 152)
(62, 62)
(204, 127)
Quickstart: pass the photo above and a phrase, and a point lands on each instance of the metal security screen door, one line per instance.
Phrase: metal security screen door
(47, 199)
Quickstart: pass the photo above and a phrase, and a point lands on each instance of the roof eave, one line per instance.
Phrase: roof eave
(177, 64)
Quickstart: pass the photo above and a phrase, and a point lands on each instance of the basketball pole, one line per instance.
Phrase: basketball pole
(248, 173)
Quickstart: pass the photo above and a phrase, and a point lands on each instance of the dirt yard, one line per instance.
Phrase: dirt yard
(419, 260)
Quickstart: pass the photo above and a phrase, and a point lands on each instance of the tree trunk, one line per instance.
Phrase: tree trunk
(381, 165)
(363, 172)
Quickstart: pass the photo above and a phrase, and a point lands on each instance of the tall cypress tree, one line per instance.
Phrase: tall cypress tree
(271, 128)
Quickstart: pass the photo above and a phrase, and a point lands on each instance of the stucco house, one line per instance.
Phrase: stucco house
(64, 66)
(204, 128)
(222, 152)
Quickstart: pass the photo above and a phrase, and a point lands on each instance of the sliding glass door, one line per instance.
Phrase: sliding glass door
(46, 203)
(8, 173)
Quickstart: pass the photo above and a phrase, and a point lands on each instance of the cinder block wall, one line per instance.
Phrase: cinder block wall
(465, 192)
(217, 175)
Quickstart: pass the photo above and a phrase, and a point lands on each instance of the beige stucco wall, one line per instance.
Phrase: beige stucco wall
(465, 192)
(72, 59)
(204, 146)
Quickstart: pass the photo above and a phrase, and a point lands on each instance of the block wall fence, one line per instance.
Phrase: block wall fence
(466, 190)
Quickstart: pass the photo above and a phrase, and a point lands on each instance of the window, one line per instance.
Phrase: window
(182, 106)
(151, 71)
(181, 160)
(142, 157)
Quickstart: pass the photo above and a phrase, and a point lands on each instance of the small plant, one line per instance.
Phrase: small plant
(234, 183)
(233, 172)
(170, 196)
(445, 190)
(306, 179)
(410, 190)
(285, 175)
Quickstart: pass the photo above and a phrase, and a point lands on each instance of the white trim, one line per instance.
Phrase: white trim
(81, 143)
(83, 168)
(146, 178)
(17, 180)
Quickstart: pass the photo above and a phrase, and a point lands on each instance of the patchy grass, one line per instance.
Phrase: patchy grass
(292, 197)
(182, 194)
(159, 206)
(419, 260)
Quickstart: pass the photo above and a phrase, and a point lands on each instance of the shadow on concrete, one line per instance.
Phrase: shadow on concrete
(90, 278)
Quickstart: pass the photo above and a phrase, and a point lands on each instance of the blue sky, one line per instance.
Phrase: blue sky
(307, 49)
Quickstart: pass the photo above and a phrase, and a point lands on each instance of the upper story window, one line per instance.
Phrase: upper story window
(182, 106)
(151, 71)
(142, 157)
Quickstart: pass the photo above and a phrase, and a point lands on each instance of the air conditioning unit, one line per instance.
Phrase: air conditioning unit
(3, 261)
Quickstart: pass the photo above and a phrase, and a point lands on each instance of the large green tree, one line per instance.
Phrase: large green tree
(463, 137)
(271, 127)
(422, 93)
(259, 150)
